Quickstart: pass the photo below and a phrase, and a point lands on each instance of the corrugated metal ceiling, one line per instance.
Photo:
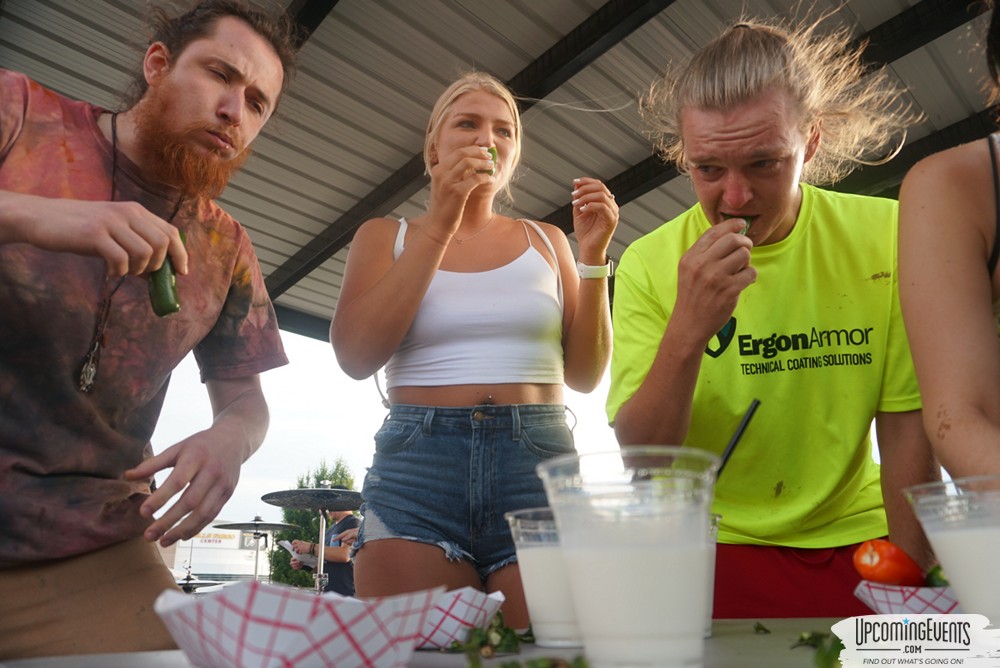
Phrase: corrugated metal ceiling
(346, 145)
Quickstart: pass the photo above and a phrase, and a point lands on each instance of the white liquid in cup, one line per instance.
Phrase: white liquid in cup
(634, 529)
(543, 578)
(969, 557)
(961, 518)
(649, 613)
(547, 593)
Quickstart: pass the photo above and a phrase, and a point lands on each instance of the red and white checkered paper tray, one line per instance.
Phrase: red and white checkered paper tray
(255, 625)
(898, 600)
(455, 613)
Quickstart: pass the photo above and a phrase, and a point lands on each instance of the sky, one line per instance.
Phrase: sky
(317, 413)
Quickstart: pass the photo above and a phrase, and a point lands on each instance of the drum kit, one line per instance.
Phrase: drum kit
(319, 499)
(259, 528)
(189, 584)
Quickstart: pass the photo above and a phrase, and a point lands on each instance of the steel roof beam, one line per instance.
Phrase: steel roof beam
(308, 14)
(908, 31)
(599, 32)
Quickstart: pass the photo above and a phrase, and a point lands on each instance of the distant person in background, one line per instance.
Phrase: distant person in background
(949, 247)
(774, 289)
(91, 202)
(336, 554)
(479, 319)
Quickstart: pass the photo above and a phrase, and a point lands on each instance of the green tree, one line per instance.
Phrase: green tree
(307, 521)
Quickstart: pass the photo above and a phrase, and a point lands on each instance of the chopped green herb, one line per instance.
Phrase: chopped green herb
(936, 577)
(827, 645)
(828, 652)
(810, 639)
(498, 639)
(578, 662)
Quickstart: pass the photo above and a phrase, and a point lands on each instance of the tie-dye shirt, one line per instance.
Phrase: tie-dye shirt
(63, 452)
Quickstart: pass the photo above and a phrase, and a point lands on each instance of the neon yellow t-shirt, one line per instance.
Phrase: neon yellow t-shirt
(818, 338)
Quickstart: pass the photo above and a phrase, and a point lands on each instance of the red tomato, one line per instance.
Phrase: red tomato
(878, 560)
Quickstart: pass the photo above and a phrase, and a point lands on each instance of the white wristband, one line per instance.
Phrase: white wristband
(591, 271)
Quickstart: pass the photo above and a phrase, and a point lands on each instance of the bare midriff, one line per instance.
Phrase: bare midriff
(475, 395)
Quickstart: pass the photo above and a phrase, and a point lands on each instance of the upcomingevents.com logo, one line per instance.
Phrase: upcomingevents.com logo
(919, 640)
(929, 630)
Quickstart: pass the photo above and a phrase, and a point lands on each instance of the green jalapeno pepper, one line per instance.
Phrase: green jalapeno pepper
(493, 156)
(747, 219)
(163, 288)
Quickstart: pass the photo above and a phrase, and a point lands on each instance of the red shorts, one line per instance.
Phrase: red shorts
(767, 581)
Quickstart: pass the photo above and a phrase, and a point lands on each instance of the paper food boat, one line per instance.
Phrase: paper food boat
(898, 600)
(455, 613)
(255, 625)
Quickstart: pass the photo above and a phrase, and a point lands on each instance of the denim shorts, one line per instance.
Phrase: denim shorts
(446, 476)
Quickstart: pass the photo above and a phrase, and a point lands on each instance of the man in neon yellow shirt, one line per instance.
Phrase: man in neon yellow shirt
(772, 289)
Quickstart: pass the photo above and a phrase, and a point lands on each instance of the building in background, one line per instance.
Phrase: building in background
(220, 555)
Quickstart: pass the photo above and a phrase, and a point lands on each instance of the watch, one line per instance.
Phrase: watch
(598, 271)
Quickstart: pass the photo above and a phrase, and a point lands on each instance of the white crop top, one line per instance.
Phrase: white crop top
(498, 326)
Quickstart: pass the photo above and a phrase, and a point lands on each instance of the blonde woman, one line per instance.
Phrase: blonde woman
(479, 320)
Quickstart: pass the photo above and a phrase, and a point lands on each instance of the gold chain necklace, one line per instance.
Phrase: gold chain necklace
(481, 230)
(88, 370)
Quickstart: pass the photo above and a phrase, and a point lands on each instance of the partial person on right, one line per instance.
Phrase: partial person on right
(949, 247)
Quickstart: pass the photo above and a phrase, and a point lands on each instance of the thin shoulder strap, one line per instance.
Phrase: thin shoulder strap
(995, 253)
(397, 248)
(552, 251)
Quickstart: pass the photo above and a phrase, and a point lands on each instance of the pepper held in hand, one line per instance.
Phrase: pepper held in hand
(163, 288)
(879, 560)
(492, 150)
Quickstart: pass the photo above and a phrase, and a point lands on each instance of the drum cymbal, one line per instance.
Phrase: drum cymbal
(189, 586)
(315, 499)
(257, 525)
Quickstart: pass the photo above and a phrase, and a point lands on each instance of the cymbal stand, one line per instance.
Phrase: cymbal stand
(188, 577)
(257, 535)
(320, 576)
(186, 585)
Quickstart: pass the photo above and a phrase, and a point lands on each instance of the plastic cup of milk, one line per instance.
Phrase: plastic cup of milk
(961, 518)
(543, 577)
(634, 529)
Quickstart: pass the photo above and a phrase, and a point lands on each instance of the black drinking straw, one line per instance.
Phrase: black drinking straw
(728, 452)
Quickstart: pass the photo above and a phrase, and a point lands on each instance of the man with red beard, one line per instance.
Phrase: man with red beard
(92, 202)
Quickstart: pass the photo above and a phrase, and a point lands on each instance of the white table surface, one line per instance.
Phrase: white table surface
(733, 645)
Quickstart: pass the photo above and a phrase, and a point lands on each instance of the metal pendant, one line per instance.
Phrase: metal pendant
(88, 372)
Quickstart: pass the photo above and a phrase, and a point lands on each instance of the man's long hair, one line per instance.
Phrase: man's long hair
(861, 115)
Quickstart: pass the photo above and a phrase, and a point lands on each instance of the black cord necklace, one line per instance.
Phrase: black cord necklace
(92, 361)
